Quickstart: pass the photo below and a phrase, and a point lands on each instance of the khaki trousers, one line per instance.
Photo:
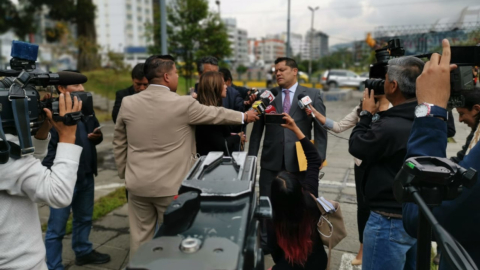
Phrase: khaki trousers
(143, 215)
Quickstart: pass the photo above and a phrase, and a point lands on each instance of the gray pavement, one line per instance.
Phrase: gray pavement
(110, 234)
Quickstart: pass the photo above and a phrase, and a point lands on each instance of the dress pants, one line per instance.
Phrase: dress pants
(144, 213)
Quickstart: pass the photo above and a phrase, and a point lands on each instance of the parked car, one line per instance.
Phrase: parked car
(335, 78)
(303, 77)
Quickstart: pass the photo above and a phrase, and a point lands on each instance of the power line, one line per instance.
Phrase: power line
(340, 8)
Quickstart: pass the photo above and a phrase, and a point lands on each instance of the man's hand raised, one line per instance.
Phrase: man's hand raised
(433, 85)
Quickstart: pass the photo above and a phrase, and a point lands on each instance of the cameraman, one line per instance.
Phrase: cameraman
(382, 147)
(26, 182)
(459, 217)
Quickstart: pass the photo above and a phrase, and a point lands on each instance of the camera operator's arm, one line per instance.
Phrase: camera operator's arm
(314, 161)
(27, 177)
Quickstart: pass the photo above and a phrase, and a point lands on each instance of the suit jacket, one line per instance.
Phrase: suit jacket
(90, 123)
(279, 142)
(118, 101)
(233, 100)
(154, 139)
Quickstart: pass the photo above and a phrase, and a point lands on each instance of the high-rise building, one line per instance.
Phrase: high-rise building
(296, 42)
(268, 49)
(120, 26)
(238, 43)
(320, 45)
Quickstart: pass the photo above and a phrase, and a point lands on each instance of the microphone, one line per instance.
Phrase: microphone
(68, 78)
(270, 109)
(304, 102)
(260, 105)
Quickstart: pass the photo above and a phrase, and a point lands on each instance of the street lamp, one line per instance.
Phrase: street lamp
(218, 4)
(311, 43)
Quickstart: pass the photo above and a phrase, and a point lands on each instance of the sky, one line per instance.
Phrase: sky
(342, 20)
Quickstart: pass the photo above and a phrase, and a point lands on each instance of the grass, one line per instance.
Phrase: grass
(101, 207)
(107, 81)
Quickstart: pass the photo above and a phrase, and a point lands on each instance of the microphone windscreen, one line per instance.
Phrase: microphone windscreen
(265, 101)
(68, 78)
(300, 96)
(274, 91)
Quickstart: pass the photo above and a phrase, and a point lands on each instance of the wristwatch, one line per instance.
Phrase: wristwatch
(365, 112)
(430, 110)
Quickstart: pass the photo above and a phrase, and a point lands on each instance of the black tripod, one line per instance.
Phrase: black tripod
(428, 181)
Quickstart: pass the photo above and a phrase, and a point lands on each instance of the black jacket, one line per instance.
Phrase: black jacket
(118, 101)
(382, 147)
(89, 124)
(215, 138)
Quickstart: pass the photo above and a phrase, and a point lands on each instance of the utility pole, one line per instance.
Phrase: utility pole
(163, 26)
(218, 4)
(311, 43)
(288, 30)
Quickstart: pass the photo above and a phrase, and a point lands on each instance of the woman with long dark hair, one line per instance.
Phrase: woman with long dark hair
(294, 239)
(211, 90)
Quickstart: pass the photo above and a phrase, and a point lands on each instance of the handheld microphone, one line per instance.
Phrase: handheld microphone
(270, 110)
(260, 105)
(304, 102)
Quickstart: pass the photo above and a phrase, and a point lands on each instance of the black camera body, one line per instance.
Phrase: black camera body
(213, 223)
(461, 78)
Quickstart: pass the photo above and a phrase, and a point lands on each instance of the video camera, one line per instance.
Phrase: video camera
(21, 108)
(427, 181)
(461, 78)
(213, 223)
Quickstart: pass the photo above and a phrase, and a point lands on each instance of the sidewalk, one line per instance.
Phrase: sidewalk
(110, 234)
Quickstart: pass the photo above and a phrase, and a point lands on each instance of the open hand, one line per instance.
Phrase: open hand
(433, 85)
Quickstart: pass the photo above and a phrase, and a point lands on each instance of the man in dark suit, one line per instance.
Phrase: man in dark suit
(139, 83)
(279, 151)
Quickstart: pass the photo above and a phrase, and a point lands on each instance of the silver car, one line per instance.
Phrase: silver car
(335, 78)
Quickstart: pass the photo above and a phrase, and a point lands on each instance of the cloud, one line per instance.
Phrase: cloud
(343, 20)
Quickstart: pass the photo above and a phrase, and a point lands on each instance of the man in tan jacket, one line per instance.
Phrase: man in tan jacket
(154, 144)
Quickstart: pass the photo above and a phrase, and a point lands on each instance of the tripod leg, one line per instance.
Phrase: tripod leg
(424, 245)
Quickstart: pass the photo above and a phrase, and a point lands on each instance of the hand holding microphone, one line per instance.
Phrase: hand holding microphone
(304, 103)
(250, 116)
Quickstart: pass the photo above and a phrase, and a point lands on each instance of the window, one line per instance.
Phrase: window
(139, 19)
(129, 17)
(139, 9)
(129, 6)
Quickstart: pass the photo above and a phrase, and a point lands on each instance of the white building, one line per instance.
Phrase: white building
(296, 42)
(238, 43)
(120, 26)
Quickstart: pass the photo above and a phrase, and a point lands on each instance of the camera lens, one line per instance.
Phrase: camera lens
(376, 85)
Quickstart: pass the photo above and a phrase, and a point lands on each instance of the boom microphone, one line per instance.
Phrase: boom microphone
(68, 78)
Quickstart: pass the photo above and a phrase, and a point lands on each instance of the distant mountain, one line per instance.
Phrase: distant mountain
(336, 47)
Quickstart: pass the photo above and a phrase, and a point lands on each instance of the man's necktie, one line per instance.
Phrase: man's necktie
(286, 101)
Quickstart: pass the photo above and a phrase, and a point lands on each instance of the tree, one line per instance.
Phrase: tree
(21, 19)
(193, 32)
(241, 69)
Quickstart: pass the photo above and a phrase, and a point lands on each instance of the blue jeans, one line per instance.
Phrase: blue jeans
(386, 245)
(82, 208)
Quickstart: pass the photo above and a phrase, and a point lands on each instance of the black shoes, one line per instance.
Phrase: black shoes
(93, 257)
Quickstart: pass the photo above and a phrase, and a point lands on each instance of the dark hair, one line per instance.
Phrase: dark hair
(137, 72)
(157, 65)
(289, 62)
(226, 74)
(206, 60)
(293, 219)
(472, 98)
(210, 88)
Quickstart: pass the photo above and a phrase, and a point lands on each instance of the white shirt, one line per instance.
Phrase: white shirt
(25, 182)
(291, 91)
